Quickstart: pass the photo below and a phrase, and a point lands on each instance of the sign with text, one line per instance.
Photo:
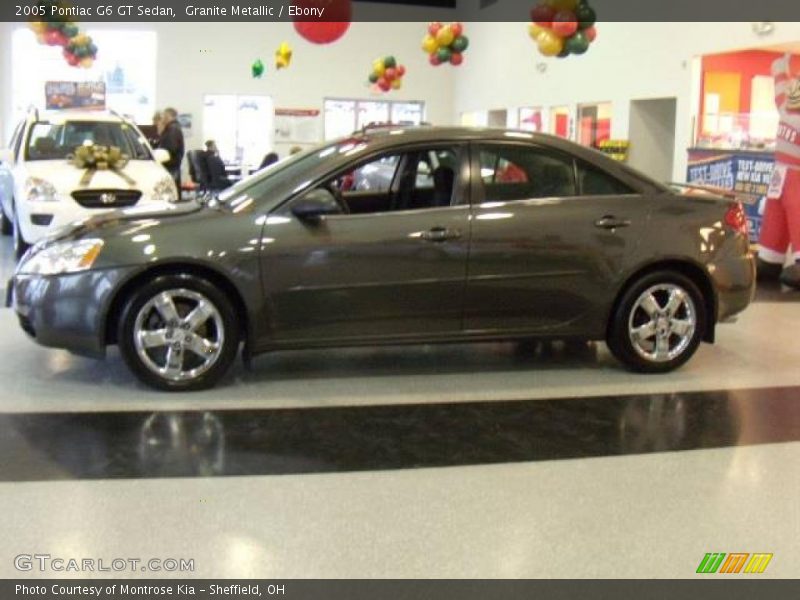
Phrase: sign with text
(84, 95)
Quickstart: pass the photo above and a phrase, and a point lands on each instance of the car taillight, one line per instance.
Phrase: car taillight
(736, 219)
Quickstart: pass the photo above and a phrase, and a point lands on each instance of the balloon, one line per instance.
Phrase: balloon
(283, 56)
(87, 62)
(373, 77)
(434, 28)
(81, 39)
(456, 59)
(38, 26)
(445, 36)
(563, 4)
(577, 44)
(401, 71)
(321, 32)
(534, 30)
(379, 67)
(590, 33)
(543, 15)
(550, 44)
(434, 59)
(460, 44)
(397, 84)
(390, 62)
(457, 29)
(40, 38)
(384, 84)
(585, 15)
(429, 44)
(257, 68)
(563, 54)
(71, 59)
(70, 30)
(390, 74)
(444, 54)
(53, 37)
(565, 24)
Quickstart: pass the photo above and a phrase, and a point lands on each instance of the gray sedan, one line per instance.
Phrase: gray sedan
(472, 235)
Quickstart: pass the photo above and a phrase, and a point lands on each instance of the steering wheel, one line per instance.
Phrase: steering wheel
(338, 196)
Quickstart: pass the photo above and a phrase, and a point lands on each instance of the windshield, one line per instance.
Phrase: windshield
(53, 141)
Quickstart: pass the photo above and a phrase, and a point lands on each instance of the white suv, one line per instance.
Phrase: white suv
(41, 190)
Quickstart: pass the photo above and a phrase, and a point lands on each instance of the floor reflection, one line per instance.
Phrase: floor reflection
(339, 439)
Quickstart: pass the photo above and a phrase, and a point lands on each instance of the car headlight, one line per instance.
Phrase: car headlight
(164, 190)
(61, 257)
(40, 190)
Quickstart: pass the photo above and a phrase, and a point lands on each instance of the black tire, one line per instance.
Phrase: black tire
(139, 301)
(20, 245)
(6, 226)
(620, 339)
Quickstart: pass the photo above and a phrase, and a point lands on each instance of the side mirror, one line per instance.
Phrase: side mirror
(6, 155)
(161, 155)
(315, 205)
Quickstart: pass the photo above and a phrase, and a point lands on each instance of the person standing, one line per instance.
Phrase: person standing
(171, 140)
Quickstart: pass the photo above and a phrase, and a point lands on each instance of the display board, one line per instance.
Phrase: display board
(297, 126)
(86, 95)
(745, 172)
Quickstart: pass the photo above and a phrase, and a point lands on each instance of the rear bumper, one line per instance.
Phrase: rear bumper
(735, 282)
(67, 311)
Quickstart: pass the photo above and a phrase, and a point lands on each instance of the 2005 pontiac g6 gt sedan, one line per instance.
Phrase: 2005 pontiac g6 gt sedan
(392, 236)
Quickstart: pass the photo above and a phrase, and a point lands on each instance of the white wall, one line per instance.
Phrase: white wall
(628, 61)
(197, 58)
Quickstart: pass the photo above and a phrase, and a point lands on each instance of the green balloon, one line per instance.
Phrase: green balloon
(390, 62)
(585, 16)
(563, 54)
(373, 78)
(577, 44)
(70, 30)
(460, 44)
(257, 68)
(444, 54)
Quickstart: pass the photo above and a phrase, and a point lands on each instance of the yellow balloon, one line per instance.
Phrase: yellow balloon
(445, 36)
(534, 30)
(397, 84)
(87, 62)
(378, 67)
(549, 43)
(429, 44)
(81, 40)
(40, 38)
(38, 26)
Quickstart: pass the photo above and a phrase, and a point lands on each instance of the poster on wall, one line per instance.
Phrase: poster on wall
(747, 173)
(297, 126)
(84, 95)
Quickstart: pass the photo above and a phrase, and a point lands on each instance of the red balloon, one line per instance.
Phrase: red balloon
(401, 71)
(456, 58)
(54, 37)
(390, 74)
(384, 84)
(590, 33)
(338, 14)
(457, 29)
(543, 15)
(434, 59)
(565, 24)
(434, 28)
(71, 59)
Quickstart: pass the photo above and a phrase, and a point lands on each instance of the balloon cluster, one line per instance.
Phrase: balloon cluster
(563, 27)
(386, 74)
(445, 43)
(78, 48)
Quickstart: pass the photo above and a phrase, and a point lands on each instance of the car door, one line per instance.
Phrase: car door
(393, 267)
(6, 170)
(550, 236)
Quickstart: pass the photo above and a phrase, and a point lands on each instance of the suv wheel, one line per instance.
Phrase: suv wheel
(20, 245)
(658, 323)
(179, 333)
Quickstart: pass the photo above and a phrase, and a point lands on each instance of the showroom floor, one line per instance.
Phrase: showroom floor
(494, 460)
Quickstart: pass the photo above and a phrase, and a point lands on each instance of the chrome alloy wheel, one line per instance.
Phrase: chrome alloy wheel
(662, 323)
(179, 334)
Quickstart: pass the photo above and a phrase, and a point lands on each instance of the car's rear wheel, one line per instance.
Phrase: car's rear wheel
(658, 323)
(20, 245)
(179, 333)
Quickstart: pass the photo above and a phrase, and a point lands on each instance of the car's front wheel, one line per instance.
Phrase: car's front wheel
(658, 323)
(179, 333)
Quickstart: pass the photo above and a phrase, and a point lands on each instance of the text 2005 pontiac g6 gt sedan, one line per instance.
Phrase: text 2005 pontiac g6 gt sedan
(397, 236)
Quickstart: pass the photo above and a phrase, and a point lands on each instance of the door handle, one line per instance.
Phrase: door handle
(440, 234)
(611, 222)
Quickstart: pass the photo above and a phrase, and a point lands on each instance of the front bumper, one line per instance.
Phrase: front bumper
(67, 311)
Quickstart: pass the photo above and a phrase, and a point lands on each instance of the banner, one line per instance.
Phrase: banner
(85, 95)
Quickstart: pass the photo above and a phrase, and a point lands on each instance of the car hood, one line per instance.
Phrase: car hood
(66, 178)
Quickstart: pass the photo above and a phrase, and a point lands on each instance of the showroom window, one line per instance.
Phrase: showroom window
(521, 173)
(344, 116)
(126, 63)
(242, 126)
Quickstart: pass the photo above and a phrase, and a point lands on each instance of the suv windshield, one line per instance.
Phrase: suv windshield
(53, 141)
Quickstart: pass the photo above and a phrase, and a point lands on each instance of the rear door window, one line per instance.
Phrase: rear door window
(517, 172)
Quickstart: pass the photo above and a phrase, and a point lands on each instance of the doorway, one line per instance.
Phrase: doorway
(652, 137)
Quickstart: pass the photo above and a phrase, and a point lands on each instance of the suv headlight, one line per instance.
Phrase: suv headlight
(164, 190)
(61, 257)
(40, 190)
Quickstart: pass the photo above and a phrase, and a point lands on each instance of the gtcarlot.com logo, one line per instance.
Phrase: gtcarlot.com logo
(734, 563)
(45, 563)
